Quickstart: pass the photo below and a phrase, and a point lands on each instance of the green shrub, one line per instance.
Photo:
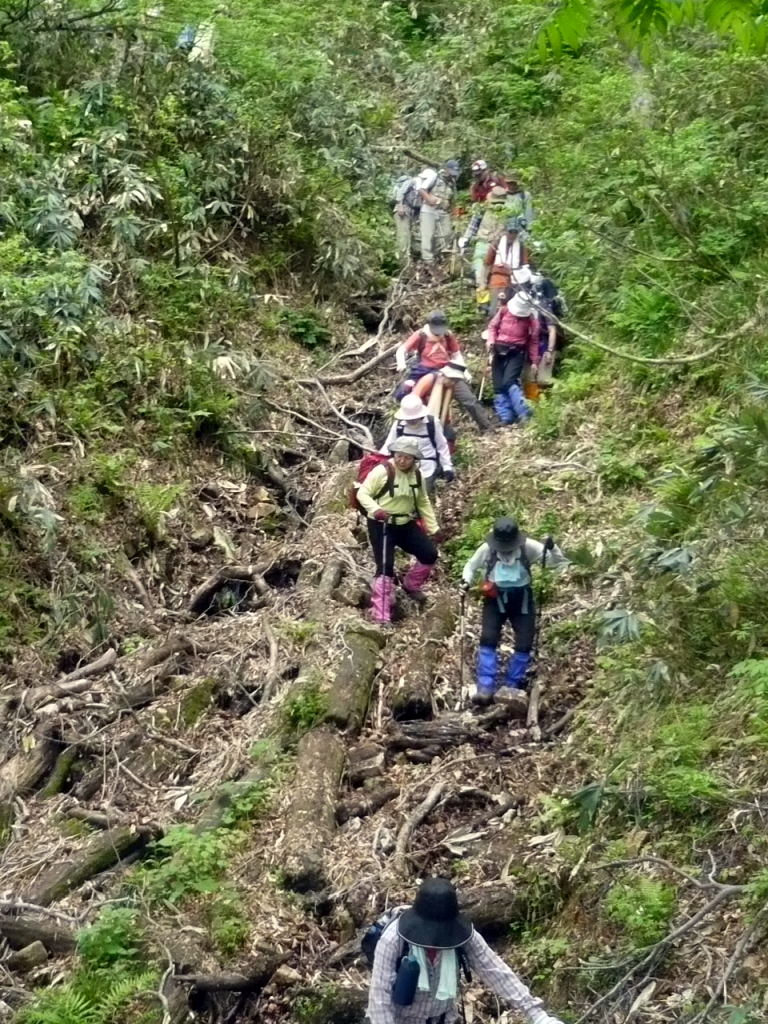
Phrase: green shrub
(305, 708)
(115, 938)
(186, 864)
(642, 907)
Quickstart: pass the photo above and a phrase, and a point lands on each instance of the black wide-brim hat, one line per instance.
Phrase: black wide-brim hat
(505, 535)
(434, 920)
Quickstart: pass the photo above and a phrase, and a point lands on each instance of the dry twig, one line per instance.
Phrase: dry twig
(411, 823)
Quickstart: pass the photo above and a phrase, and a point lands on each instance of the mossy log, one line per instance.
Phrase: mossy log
(351, 688)
(21, 930)
(311, 811)
(412, 696)
(99, 854)
(60, 773)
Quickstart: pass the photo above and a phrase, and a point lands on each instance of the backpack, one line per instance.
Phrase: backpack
(398, 190)
(431, 430)
(371, 938)
(369, 462)
(522, 559)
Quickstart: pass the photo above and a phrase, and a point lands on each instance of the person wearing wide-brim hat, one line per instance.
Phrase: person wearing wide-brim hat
(394, 496)
(505, 559)
(457, 378)
(513, 339)
(438, 942)
(414, 421)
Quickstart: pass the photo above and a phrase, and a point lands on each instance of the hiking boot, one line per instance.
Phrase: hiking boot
(413, 580)
(482, 697)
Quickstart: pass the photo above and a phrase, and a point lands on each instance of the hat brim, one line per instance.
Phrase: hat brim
(447, 371)
(419, 931)
(502, 545)
(412, 415)
(439, 329)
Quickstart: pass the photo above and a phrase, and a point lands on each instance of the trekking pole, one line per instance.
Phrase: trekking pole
(462, 632)
(549, 545)
(483, 379)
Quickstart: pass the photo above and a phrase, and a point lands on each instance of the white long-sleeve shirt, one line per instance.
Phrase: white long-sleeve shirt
(488, 967)
(533, 552)
(417, 429)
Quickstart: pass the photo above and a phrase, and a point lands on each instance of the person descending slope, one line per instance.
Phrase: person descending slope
(484, 180)
(435, 345)
(505, 560)
(458, 381)
(407, 200)
(504, 257)
(414, 422)
(420, 956)
(394, 496)
(521, 203)
(437, 190)
(488, 223)
(513, 335)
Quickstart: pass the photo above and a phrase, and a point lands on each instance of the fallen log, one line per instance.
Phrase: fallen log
(451, 730)
(203, 597)
(99, 854)
(412, 697)
(361, 808)
(176, 645)
(532, 718)
(20, 930)
(251, 979)
(337, 1006)
(22, 774)
(492, 908)
(351, 688)
(76, 682)
(311, 811)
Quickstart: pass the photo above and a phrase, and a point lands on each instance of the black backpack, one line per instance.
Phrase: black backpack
(431, 430)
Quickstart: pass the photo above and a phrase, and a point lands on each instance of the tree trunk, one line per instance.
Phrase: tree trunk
(310, 819)
(351, 687)
(22, 930)
(100, 853)
(412, 697)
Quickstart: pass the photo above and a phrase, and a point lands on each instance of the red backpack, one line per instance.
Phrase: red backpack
(369, 462)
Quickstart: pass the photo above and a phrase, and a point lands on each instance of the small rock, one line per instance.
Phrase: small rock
(354, 825)
(387, 841)
(285, 976)
(28, 958)
(366, 762)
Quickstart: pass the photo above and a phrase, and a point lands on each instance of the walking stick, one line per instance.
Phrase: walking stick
(549, 545)
(483, 380)
(462, 632)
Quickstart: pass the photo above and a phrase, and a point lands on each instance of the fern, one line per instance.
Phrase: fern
(60, 1006)
(122, 992)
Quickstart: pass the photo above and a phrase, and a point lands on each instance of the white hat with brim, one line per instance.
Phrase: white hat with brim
(519, 305)
(522, 275)
(404, 446)
(412, 408)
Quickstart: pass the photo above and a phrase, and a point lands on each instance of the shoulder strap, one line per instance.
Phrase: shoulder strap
(390, 482)
(400, 428)
(524, 559)
(423, 339)
(432, 431)
(491, 563)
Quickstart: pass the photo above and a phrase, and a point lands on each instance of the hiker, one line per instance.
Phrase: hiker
(488, 223)
(437, 190)
(414, 421)
(505, 559)
(457, 379)
(521, 203)
(548, 300)
(507, 255)
(419, 958)
(394, 496)
(484, 181)
(435, 345)
(513, 336)
(407, 207)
